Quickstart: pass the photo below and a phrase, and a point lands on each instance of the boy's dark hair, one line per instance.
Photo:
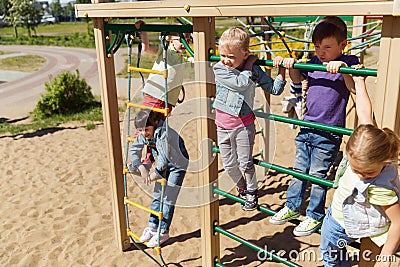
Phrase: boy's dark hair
(146, 117)
(338, 22)
(325, 30)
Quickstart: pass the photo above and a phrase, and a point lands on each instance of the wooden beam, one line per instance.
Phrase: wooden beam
(113, 134)
(204, 39)
(351, 115)
(387, 97)
(226, 9)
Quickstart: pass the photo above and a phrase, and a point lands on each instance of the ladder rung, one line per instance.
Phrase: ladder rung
(164, 73)
(164, 111)
(156, 213)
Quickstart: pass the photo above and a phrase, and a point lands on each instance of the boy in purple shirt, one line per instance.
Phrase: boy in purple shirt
(328, 93)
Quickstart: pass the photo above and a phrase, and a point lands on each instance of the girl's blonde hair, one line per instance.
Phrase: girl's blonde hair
(369, 145)
(235, 38)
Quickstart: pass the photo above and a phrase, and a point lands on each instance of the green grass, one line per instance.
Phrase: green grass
(89, 116)
(64, 28)
(26, 63)
(69, 34)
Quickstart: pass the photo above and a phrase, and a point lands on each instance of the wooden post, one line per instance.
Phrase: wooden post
(113, 134)
(351, 115)
(204, 39)
(267, 138)
(386, 102)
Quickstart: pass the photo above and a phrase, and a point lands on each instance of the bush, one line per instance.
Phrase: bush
(65, 94)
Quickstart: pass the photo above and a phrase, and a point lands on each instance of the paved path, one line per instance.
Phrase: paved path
(20, 91)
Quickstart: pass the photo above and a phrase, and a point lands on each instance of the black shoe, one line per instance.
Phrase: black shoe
(251, 201)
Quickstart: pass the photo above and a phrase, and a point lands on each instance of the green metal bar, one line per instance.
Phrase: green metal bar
(294, 173)
(316, 125)
(242, 201)
(315, 67)
(148, 28)
(186, 45)
(285, 170)
(267, 210)
(255, 247)
(111, 46)
(304, 19)
(217, 264)
(260, 108)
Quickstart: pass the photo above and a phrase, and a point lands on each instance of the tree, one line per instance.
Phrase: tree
(70, 11)
(56, 8)
(24, 13)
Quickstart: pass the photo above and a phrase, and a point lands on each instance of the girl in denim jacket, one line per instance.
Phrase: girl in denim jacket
(236, 78)
(172, 161)
(366, 202)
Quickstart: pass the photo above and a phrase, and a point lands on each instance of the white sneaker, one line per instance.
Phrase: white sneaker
(284, 215)
(153, 242)
(148, 233)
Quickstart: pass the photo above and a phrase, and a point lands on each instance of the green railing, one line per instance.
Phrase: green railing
(147, 28)
(265, 210)
(316, 125)
(255, 247)
(285, 170)
(315, 67)
(305, 18)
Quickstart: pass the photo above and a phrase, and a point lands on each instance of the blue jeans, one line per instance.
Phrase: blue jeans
(174, 178)
(333, 243)
(316, 150)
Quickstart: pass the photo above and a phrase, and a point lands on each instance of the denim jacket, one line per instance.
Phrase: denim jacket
(236, 89)
(362, 219)
(168, 151)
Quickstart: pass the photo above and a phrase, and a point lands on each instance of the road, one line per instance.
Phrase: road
(19, 92)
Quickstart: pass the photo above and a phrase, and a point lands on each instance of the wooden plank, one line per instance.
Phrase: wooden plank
(351, 116)
(204, 39)
(266, 138)
(112, 129)
(224, 3)
(384, 53)
(396, 8)
(135, 9)
(388, 86)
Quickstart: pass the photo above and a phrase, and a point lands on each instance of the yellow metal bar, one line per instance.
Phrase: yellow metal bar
(164, 111)
(134, 236)
(162, 181)
(164, 73)
(130, 139)
(158, 250)
(156, 213)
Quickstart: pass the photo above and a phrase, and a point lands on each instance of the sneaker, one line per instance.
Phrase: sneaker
(148, 233)
(153, 242)
(284, 215)
(307, 227)
(251, 202)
